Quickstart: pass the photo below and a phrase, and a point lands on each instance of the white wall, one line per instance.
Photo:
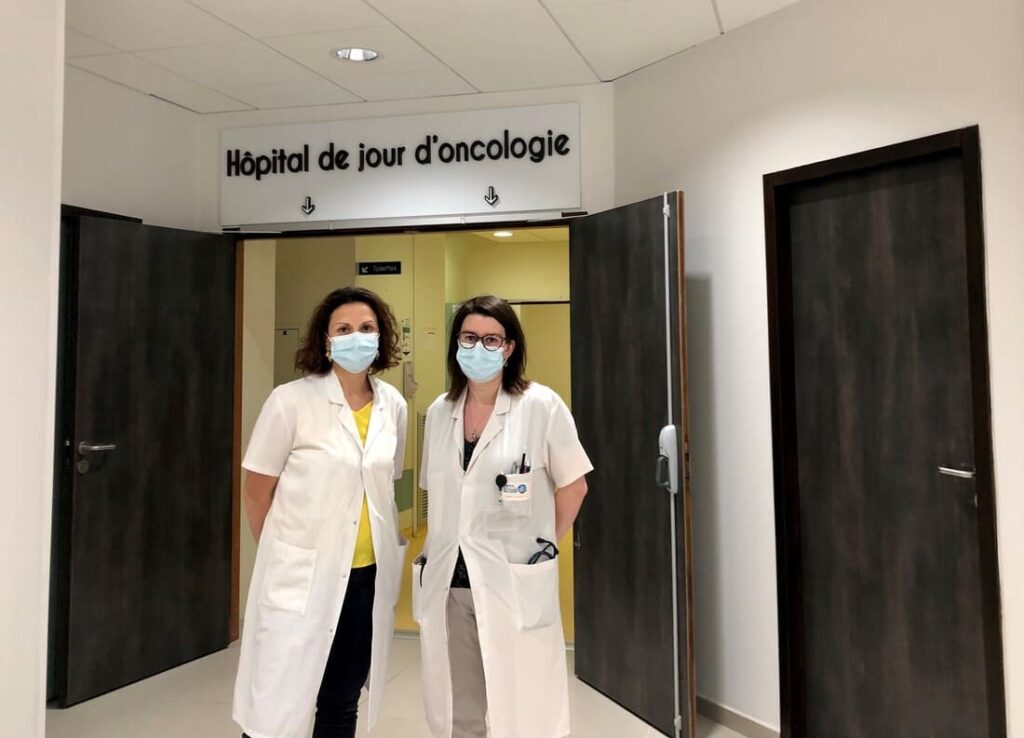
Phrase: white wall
(31, 77)
(595, 134)
(820, 79)
(128, 153)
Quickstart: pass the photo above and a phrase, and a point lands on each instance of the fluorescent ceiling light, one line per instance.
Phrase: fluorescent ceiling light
(503, 234)
(356, 54)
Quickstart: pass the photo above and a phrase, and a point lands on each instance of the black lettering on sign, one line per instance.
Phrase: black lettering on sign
(378, 268)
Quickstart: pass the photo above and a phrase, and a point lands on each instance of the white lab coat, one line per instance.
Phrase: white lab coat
(307, 437)
(517, 610)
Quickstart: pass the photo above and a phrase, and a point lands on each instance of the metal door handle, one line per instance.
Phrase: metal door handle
(86, 448)
(958, 473)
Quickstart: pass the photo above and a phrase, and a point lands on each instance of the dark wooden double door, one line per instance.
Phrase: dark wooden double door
(142, 533)
(632, 564)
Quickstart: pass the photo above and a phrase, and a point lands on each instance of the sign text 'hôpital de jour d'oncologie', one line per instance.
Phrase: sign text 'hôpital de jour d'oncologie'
(507, 160)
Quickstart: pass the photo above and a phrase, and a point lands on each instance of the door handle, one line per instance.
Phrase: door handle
(667, 471)
(88, 448)
(958, 473)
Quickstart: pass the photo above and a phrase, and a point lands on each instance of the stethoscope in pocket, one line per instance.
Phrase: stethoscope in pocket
(547, 553)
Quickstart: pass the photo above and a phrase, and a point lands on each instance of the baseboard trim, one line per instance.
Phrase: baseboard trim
(742, 724)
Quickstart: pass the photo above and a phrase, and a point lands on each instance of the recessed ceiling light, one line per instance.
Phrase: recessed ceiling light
(355, 54)
(503, 234)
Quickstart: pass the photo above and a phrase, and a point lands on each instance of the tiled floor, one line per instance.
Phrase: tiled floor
(194, 701)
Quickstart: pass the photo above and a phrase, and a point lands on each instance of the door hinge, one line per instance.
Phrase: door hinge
(666, 211)
(679, 724)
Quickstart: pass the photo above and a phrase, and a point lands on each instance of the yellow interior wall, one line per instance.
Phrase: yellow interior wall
(307, 270)
(546, 328)
(516, 271)
(398, 291)
(258, 308)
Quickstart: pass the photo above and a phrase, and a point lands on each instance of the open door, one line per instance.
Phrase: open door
(143, 498)
(632, 538)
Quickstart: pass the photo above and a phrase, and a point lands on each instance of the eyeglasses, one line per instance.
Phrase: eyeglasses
(548, 552)
(491, 342)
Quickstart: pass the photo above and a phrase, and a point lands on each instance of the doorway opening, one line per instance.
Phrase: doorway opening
(423, 277)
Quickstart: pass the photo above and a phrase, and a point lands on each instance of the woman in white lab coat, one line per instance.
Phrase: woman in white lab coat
(505, 473)
(320, 500)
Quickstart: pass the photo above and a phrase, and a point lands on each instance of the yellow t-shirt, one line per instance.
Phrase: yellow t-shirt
(364, 555)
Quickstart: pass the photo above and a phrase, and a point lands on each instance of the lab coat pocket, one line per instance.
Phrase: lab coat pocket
(536, 593)
(417, 586)
(289, 577)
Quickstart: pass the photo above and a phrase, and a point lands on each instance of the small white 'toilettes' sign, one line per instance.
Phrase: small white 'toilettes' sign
(511, 160)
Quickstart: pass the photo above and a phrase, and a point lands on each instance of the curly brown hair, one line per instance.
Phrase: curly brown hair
(311, 358)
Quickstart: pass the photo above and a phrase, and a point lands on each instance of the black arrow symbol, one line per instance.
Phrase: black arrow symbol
(491, 198)
(308, 207)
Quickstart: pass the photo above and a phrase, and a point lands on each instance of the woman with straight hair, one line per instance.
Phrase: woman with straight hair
(320, 499)
(505, 471)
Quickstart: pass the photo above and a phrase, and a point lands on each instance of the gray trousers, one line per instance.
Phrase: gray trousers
(469, 695)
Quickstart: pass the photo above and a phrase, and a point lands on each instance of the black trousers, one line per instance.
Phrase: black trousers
(348, 665)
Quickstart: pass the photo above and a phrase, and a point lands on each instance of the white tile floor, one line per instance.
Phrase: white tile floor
(194, 701)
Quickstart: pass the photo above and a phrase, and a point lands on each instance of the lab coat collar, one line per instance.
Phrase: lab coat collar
(495, 424)
(336, 397)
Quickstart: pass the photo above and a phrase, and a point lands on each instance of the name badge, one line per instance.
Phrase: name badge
(518, 488)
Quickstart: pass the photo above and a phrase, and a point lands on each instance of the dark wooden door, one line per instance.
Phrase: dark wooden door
(143, 551)
(633, 626)
(889, 620)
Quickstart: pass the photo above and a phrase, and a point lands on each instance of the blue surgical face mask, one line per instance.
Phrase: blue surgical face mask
(355, 352)
(479, 364)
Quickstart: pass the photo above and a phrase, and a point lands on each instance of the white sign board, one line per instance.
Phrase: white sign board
(511, 160)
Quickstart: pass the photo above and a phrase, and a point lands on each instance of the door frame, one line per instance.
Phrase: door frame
(965, 143)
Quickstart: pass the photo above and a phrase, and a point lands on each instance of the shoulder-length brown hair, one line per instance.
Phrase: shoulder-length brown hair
(312, 358)
(514, 380)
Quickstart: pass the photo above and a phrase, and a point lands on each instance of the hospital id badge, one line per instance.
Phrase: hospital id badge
(518, 488)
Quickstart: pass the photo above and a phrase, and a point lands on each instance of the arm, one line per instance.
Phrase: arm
(258, 492)
(568, 500)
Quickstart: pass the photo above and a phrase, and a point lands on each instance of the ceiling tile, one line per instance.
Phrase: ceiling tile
(264, 18)
(237, 63)
(402, 12)
(140, 75)
(291, 94)
(133, 25)
(78, 44)
(405, 85)
(619, 37)
(498, 51)
(736, 13)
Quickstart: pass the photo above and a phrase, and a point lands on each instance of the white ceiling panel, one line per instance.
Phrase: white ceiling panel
(145, 77)
(264, 18)
(291, 94)
(147, 24)
(736, 13)
(403, 12)
(622, 36)
(512, 50)
(78, 44)
(404, 85)
(238, 63)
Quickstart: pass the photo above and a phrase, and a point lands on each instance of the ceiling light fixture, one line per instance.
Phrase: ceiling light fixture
(503, 234)
(355, 54)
